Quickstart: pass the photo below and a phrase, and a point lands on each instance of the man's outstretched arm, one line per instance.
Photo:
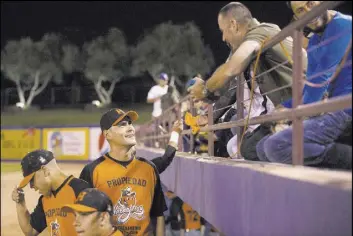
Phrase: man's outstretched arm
(236, 65)
(164, 161)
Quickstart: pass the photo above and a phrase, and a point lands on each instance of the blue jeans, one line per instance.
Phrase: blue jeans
(320, 132)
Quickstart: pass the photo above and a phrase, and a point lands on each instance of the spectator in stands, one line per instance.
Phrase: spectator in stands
(320, 132)
(155, 96)
(245, 35)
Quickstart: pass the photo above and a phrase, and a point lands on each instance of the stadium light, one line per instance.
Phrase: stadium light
(96, 103)
(20, 105)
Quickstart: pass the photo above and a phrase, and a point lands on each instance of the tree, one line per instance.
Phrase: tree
(32, 65)
(178, 50)
(106, 60)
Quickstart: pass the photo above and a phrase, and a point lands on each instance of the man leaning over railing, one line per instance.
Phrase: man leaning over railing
(320, 132)
(246, 36)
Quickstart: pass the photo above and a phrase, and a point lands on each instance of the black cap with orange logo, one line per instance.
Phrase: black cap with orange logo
(114, 116)
(91, 200)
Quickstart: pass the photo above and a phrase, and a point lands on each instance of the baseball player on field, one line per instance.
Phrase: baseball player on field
(131, 182)
(93, 212)
(41, 171)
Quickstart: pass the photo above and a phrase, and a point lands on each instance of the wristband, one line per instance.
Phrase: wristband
(174, 137)
(209, 96)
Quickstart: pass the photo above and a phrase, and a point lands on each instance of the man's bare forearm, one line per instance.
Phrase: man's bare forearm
(218, 79)
(234, 66)
(160, 226)
(24, 219)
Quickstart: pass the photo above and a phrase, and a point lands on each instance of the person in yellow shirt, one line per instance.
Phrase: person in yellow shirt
(93, 212)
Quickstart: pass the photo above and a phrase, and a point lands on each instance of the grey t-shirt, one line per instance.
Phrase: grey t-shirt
(274, 56)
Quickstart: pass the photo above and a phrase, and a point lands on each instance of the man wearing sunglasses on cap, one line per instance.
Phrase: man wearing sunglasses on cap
(41, 171)
(93, 212)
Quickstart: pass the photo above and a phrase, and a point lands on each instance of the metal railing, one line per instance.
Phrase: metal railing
(295, 114)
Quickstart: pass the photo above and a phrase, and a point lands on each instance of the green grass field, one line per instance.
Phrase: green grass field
(7, 167)
(68, 117)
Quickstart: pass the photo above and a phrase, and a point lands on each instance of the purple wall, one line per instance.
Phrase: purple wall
(241, 201)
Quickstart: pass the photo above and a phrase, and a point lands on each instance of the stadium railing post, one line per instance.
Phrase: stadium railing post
(297, 90)
(210, 132)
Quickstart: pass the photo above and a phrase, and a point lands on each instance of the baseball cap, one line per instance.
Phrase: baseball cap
(190, 83)
(32, 162)
(114, 116)
(91, 200)
(163, 76)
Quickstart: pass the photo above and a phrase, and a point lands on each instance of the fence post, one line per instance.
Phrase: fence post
(164, 120)
(192, 137)
(297, 91)
(78, 94)
(7, 97)
(52, 96)
(156, 140)
(240, 110)
(210, 133)
(179, 117)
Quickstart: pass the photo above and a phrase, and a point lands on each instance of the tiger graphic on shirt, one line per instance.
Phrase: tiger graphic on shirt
(55, 228)
(127, 207)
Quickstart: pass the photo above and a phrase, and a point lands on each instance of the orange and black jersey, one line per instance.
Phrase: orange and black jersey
(116, 233)
(134, 188)
(48, 211)
(189, 218)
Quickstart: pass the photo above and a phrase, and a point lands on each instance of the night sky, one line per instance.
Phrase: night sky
(81, 21)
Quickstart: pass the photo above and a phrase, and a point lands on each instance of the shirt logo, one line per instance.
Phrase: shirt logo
(119, 111)
(55, 228)
(127, 208)
(80, 197)
(41, 159)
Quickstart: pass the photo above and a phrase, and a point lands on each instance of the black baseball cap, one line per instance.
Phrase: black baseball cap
(114, 116)
(32, 162)
(91, 200)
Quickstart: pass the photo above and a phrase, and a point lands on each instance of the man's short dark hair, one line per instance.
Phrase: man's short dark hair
(238, 11)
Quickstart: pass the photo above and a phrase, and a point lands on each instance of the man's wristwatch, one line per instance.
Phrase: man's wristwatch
(209, 97)
(206, 92)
